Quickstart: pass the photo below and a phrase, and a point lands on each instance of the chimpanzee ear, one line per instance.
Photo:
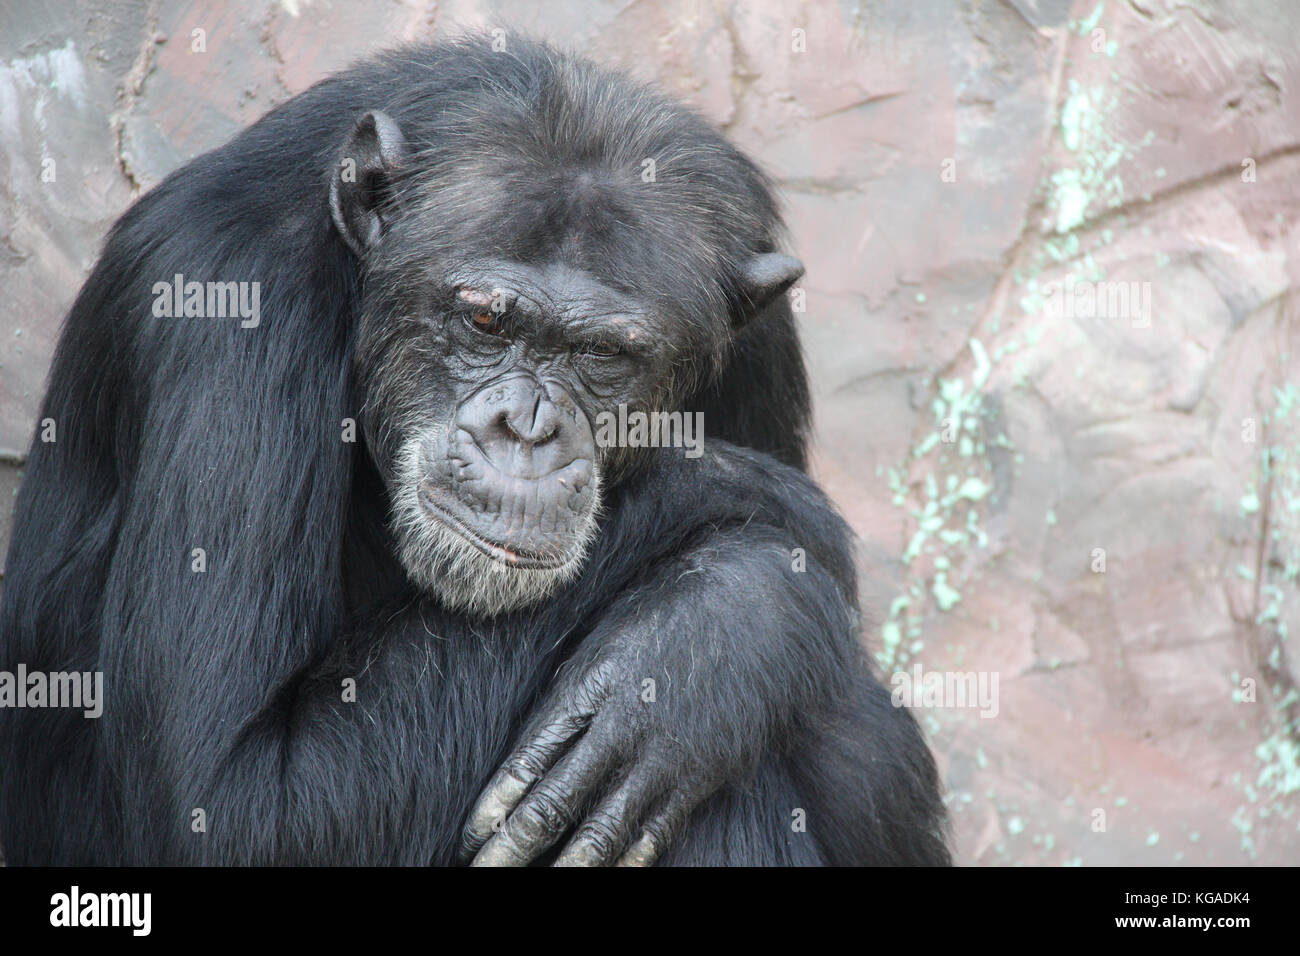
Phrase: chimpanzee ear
(765, 277)
(362, 176)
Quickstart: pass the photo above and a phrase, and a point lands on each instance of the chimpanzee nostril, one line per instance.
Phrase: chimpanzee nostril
(537, 404)
(503, 426)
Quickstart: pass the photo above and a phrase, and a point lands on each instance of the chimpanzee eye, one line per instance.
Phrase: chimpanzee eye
(489, 323)
(600, 349)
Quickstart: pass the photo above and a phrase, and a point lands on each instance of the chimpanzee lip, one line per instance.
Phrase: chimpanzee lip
(513, 557)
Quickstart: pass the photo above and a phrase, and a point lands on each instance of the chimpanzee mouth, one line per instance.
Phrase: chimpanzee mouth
(474, 547)
(514, 557)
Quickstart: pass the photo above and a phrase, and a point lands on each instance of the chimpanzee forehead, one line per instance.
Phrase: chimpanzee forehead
(556, 261)
(661, 241)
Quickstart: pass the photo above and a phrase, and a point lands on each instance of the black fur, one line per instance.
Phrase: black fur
(223, 688)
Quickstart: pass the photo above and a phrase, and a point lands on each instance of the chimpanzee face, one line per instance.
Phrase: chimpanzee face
(505, 309)
(480, 409)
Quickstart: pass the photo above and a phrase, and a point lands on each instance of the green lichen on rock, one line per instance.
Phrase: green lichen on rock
(1090, 179)
(1088, 24)
(942, 494)
(1270, 505)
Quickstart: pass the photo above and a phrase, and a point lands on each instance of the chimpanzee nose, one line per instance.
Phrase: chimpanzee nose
(531, 426)
(525, 427)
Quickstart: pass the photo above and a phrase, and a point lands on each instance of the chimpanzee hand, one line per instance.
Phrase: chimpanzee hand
(595, 758)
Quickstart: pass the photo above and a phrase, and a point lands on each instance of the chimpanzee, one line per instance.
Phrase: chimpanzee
(343, 503)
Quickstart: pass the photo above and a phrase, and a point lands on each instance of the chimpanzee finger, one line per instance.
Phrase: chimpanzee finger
(607, 829)
(542, 746)
(551, 807)
(664, 826)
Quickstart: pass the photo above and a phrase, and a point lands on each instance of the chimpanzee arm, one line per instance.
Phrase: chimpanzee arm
(740, 638)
